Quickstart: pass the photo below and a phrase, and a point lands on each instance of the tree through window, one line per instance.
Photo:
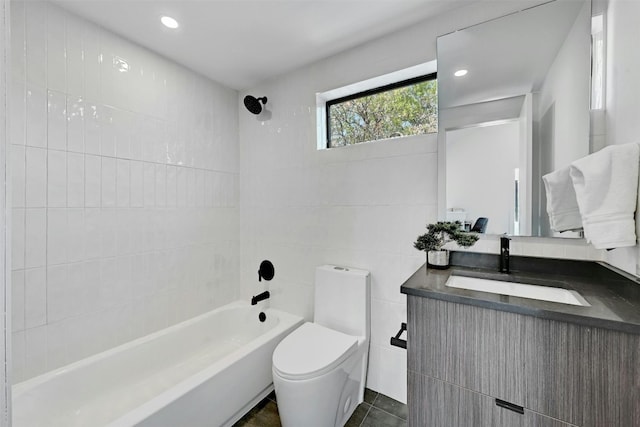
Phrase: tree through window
(406, 108)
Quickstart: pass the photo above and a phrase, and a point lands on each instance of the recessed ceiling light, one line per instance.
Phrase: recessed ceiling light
(169, 22)
(460, 73)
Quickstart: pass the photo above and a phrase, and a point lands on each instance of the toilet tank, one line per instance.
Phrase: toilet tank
(342, 296)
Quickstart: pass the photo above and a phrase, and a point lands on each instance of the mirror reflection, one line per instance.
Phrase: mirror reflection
(513, 106)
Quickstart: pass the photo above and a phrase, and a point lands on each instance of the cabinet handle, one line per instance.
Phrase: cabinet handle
(396, 341)
(510, 406)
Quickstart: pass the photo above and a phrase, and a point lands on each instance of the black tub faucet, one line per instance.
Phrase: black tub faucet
(504, 254)
(260, 297)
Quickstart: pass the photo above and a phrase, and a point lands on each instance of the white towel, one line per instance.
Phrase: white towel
(606, 185)
(562, 205)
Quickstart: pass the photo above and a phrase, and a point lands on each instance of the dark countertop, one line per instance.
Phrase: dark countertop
(614, 295)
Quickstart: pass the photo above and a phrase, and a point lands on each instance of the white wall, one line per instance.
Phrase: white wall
(564, 89)
(5, 218)
(622, 106)
(125, 190)
(361, 206)
(478, 181)
(526, 193)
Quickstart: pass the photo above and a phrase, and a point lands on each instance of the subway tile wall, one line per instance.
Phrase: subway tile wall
(360, 206)
(124, 190)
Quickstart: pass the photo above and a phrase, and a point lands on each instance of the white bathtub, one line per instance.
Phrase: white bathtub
(207, 371)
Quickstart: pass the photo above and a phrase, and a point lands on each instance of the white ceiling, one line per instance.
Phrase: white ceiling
(241, 42)
(507, 56)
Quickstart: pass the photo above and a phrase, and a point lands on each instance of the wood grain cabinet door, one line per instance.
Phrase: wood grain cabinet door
(586, 376)
(472, 347)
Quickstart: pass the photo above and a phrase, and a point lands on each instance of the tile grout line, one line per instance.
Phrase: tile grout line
(382, 410)
(367, 414)
(369, 409)
(389, 413)
(371, 405)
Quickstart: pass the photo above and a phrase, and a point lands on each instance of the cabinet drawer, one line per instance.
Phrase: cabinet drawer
(475, 348)
(435, 403)
(581, 375)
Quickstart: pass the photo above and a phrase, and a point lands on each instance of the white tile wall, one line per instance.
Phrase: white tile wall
(114, 234)
(361, 206)
(57, 120)
(56, 179)
(18, 219)
(36, 129)
(35, 252)
(18, 163)
(36, 177)
(17, 300)
(35, 297)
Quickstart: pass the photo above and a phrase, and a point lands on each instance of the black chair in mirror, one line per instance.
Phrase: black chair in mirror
(480, 226)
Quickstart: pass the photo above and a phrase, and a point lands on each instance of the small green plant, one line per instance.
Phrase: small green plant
(440, 233)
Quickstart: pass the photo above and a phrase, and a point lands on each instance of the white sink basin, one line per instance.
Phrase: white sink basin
(544, 293)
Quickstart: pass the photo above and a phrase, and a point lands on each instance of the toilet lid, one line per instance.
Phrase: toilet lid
(312, 350)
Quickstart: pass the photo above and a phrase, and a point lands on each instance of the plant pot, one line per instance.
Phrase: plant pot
(438, 259)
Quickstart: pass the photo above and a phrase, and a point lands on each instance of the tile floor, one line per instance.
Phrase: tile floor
(377, 410)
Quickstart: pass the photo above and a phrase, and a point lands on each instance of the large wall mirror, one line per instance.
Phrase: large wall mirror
(514, 101)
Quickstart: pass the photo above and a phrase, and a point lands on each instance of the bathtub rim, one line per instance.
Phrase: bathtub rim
(287, 321)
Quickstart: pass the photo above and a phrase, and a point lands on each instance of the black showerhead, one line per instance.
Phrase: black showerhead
(253, 104)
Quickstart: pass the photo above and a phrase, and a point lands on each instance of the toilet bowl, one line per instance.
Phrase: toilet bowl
(319, 370)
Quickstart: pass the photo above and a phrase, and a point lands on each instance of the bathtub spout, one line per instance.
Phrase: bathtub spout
(256, 299)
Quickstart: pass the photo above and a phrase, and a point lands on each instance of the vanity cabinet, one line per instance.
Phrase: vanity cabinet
(445, 404)
(463, 357)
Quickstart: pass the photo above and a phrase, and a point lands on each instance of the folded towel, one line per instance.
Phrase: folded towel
(562, 205)
(606, 186)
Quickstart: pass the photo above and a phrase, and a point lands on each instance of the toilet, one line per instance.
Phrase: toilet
(319, 370)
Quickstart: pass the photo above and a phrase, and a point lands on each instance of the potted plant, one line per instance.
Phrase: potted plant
(437, 236)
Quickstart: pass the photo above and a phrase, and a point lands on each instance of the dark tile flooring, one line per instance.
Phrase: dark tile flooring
(377, 410)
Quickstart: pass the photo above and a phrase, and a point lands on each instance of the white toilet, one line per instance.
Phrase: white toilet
(319, 370)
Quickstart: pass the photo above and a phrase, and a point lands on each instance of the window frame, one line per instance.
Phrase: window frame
(369, 92)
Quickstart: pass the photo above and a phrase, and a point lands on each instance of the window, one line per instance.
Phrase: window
(409, 107)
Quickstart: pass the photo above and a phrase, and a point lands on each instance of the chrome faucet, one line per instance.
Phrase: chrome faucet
(504, 254)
